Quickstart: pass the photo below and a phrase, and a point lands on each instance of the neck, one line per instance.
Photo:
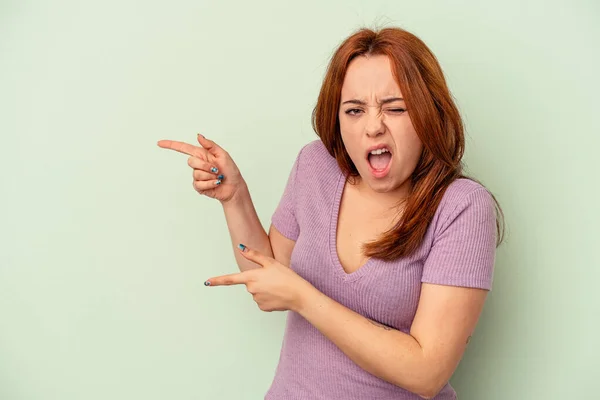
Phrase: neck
(384, 200)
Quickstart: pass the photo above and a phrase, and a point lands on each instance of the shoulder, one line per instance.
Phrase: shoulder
(315, 151)
(467, 199)
(314, 158)
(462, 190)
(463, 247)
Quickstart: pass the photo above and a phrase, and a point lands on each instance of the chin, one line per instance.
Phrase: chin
(382, 187)
(388, 184)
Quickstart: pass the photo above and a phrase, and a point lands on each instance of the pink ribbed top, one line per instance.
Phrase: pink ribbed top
(458, 249)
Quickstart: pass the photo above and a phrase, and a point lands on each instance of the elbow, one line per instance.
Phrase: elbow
(432, 386)
(433, 376)
(426, 377)
(426, 386)
(430, 394)
(430, 391)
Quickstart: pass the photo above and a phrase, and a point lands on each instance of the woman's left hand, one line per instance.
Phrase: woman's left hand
(273, 286)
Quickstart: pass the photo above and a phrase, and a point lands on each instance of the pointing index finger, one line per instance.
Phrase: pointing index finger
(182, 147)
(228, 280)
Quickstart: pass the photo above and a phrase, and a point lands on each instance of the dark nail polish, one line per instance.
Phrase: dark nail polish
(242, 247)
(220, 177)
(214, 170)
(207, 283)
(218, 182)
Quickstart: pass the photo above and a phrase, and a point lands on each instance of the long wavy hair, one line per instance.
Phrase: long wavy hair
(436, 120)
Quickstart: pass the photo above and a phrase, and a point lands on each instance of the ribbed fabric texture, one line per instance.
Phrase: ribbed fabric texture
(458, 249)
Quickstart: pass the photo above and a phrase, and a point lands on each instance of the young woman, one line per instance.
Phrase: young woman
(381, 249)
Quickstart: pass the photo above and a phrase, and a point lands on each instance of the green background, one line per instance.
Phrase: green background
(104, 244)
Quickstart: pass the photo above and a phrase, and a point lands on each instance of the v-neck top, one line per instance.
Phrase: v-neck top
(458, 249)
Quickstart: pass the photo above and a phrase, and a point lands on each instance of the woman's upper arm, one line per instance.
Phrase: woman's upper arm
(445, 320)
(282, 246)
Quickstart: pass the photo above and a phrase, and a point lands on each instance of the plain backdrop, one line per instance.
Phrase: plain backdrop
(104, 244)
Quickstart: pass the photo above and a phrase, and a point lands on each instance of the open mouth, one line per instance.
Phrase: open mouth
(379, 158)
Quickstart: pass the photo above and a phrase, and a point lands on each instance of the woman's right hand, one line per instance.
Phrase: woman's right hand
(214, 172)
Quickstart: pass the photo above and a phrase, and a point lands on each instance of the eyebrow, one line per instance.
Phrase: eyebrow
(384, 101)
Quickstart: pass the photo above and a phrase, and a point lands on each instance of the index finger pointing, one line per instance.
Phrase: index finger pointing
(228, 280)
(184, 148)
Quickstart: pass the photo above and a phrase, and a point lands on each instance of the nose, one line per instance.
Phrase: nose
(374, 126)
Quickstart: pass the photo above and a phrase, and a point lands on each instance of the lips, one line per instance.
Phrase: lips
(377, 147)
(379, 165)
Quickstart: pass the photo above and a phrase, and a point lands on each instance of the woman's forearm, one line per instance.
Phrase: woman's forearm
(245, 227)
(387, 353)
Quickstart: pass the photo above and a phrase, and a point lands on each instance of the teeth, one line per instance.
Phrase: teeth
(379, 151)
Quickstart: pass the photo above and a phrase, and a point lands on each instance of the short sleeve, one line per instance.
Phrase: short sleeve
(464, 245)
(284, 217)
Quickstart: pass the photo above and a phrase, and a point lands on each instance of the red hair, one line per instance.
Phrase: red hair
(435, 119)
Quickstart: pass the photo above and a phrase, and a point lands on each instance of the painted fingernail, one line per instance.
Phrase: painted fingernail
(214, 170)
(242, 247)
(220, 177)
(207, 283)
(218, 182)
